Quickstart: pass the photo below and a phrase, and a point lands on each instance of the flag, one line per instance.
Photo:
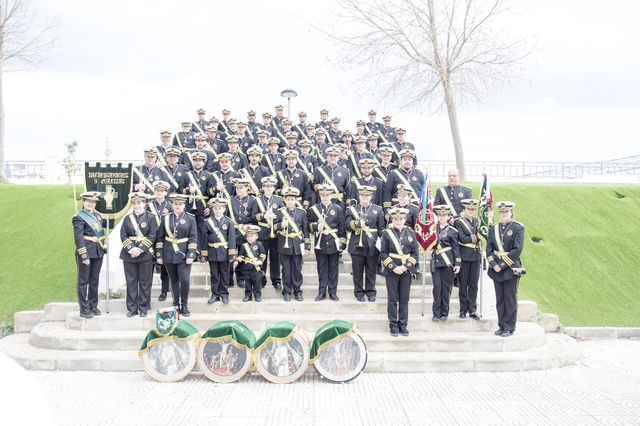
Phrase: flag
(425, 227)
(485, 210)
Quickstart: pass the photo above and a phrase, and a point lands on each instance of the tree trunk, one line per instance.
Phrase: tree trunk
(3, 178)
(455, 130)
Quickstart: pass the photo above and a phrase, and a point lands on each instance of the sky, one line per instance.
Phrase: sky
(123, 71)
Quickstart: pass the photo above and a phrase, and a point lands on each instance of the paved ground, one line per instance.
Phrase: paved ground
(603, 389)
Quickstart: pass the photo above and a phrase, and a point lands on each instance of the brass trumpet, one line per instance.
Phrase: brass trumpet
(286, 237)
(321, 221)
(270, 209)
(361, 241)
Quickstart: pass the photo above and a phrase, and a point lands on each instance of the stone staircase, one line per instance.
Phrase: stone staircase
(59, 339)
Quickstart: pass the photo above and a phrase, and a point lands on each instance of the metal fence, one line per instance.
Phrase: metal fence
(52, 171)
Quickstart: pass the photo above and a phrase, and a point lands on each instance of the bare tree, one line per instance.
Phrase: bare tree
(436, 52)
(25, 41)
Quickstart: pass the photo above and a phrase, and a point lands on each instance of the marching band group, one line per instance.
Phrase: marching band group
(247, 197)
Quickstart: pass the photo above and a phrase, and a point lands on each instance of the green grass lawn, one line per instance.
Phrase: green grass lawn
(584, 268)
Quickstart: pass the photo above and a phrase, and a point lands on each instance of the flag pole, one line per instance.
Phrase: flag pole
(483, 267)
(424, 277)
(107, 271)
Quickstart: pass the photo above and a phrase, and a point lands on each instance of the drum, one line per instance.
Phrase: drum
(282, 352)
(338, 353)
(225, 351)
(168, 353)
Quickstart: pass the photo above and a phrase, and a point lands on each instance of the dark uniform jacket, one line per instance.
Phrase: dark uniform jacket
(246, 142)
(220, 236)
(309, 164)
(335, 137)
(398, 248)
(263, 205)
(138, 231)
(446, 253)
(398, 176)
(334, 227)
(176, 178)
(91, 247)
(242, 212)
(372, 128)
(373, 218)
(204, 181)
(399, 147)
(326, 124)
(382, 172)
(177, 238)
(186, 159)
(338, 177)
(148, 177)
(273, 162)
(298, 179)
(297, 231)
(452, 196)
(377, 197)
(250, 253)
(389, 133)
(256, 176)
(353, 162)
(239, 161)
(504, 247)
(200, 126)
(184, 140)
(226, 178)
(158, 210)
(467, 230)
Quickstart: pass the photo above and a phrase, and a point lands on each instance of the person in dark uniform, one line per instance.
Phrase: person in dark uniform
(333, 174)
(366, 167)
(445, 262)
(406, 174)
(165, 142)
(366, 220)
(251, 257)
(225, 177)
(372, 126)
(452, 194)
(201, 125)
(324, 120)
(360, 152)
(383, 169)
(467, 226)
(89, 236)
(268, 204)
(220, 235)
(202, 147)
(245, 138)
(238, 159)
(387, 131)
(176, 249)
(138, 234)
(242, 209)
(147, 173)
(273, 159)
(175, 174)
(223, 126)
(399, 254)
(201, 185)
(185, 138)
(404, 196)
(306, 161)
(401, 144)
(326, 221)
(293, 243)
(158, 207)
(255, 172)
(504, 247)
(293, 176)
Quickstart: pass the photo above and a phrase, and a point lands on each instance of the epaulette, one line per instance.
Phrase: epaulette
(465, 187)
(190, 214)
(519, 223)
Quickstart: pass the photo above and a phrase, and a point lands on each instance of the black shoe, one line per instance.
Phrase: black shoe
(463, 315)
(258, 299)
(277, 286)
(474, 316)
(394, 331)
(96, 312)
(212, 299)
(162, 297)
(286, 297)
(131, 314)
(334, 297)
(225, 300)
(444, 317)
(360, 298)
(506, 334)
(319, 297)
(86, 314)
(184, 311)
(372, 298)
(143, 314)
(404, 331)
(247, 299)
(299, 297)
(435, 318)
(498, 332)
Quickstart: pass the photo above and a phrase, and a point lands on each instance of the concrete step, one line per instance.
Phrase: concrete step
(54, 335)
(310, 322)
(312, 278)
(558, 351)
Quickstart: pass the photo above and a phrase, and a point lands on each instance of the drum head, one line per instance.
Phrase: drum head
(283, 360)
(223, 360)
(170, 360)
(342, 360)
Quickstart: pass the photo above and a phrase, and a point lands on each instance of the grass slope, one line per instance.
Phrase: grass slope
(584, 269)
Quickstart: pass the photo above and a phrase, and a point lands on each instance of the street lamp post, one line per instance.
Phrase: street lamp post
(288, 93)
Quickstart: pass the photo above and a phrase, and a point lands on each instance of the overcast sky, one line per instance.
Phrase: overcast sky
(124, 70)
